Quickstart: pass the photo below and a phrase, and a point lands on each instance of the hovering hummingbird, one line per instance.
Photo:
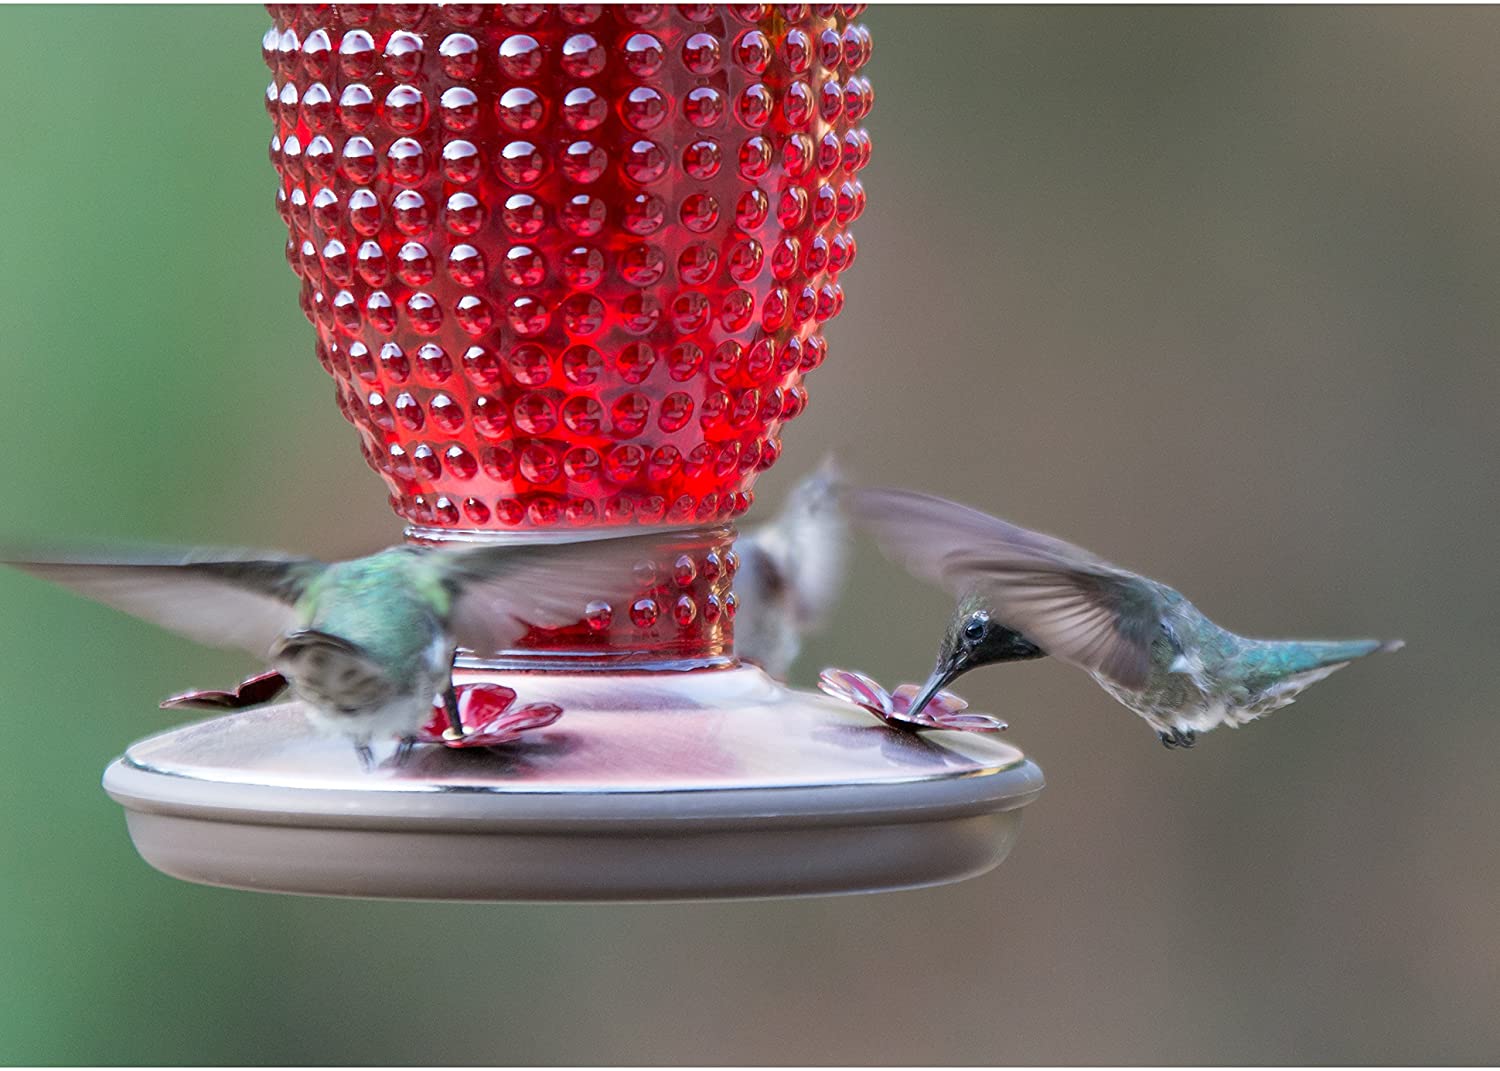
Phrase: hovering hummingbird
(1142, 641)
(367, 644)
(791, 572)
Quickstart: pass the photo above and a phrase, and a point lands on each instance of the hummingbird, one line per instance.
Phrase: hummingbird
(791, 572)
(367, 644)
(1143, 642)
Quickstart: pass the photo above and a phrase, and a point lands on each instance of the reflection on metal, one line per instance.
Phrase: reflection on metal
(711, 784)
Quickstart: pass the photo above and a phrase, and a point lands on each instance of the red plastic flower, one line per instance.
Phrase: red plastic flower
(488, 720)
(484, 709)
(944, 711)
(250, 692)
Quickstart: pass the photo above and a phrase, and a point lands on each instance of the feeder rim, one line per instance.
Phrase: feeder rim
(474, 809)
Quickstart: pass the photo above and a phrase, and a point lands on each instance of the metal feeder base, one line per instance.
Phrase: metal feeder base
(703, 785)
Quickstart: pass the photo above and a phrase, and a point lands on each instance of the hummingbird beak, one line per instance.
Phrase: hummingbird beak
(944, 672)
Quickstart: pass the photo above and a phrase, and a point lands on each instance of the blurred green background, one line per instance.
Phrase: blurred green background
(1211, 291)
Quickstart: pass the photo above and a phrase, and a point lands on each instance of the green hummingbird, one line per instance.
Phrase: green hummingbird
(791, 572)
(366, 644)
(1142, 641)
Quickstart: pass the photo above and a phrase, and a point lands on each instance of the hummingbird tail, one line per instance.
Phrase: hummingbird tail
(1305, 656)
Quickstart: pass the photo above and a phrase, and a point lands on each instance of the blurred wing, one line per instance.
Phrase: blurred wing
(220, 601)
(1101, 624)
(499, 593)
(818, 533)
(1074, 605)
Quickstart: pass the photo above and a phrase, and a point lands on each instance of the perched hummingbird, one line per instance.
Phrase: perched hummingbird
(367, 644)
(1142, 641)
(791, 572)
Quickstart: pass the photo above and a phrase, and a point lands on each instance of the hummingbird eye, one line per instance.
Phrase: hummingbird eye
(974, 628)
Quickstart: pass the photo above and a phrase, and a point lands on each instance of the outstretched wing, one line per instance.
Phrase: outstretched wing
(500, 592)
(1071, 603)
(218, 598)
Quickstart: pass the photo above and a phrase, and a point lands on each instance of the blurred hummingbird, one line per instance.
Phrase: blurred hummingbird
(1142, 641)
(791, 572)
(367, 644)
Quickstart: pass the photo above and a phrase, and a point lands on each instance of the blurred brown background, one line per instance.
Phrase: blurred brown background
(1210, 291)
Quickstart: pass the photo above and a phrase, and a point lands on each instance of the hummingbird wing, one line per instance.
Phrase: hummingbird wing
(802, 554)
(817, 534)
(500, 592)
(218, 598)
(1073, 604)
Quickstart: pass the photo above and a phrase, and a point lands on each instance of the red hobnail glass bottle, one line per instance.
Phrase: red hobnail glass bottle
(569, 264)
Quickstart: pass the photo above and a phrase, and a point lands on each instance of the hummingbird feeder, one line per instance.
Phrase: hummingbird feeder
(568, 267)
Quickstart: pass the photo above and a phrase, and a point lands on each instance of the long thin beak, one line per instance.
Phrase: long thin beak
(941, 675)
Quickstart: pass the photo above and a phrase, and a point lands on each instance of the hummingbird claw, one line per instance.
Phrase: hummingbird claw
(1177, 738)
(403, 749)
(366, 756)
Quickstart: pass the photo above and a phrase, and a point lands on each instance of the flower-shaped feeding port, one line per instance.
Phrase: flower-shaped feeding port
(250, 692)
(944, 711)
(487, 717)
(484, 709)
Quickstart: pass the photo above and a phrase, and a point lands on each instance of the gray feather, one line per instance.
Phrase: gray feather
(500, 592)
(1074, 605)
(792, 571)
(233, 599)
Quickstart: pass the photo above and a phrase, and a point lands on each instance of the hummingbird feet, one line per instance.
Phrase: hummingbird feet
(1177, 738)
(403, 749)
(366, 757)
